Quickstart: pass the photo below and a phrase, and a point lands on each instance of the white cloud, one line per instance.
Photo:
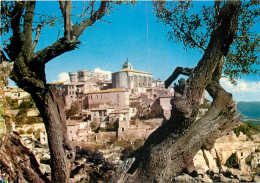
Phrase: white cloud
(244, 90)
(104, 72)
(63, 76)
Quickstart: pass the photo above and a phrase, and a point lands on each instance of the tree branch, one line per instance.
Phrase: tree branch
(179, 70)
(59, 47)
(62, 8)
(28, 21)
(38, 31)
(67, 21)
(16, 40)
(78, 30)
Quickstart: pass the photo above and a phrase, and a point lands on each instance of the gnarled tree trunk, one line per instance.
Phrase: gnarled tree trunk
(29, 72)
(170, 149)
(17, 163)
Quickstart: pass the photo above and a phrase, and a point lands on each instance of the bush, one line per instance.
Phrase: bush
(21, 116)
(37, 134)
(126, 152)
(12, 103)
(26, 104)
(94, 125)
(21, 132)
(112, 126)
(30, 131)
(246, 128)
(74, 109)
(138, 143)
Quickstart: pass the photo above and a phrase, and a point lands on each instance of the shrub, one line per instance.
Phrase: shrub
(30, 131)
(112, 126)
(37, 134)
(246, 128)
(126, 152)
(74, 109)
(26, 104)
(138, 143)
(12, 102)
(94, 125)
(21, 132)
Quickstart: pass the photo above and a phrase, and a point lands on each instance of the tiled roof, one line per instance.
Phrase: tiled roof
(107, 91)
(132, 70)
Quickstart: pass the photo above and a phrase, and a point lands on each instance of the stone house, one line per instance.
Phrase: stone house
(16, 93)
(72, 129)
(122, 118)
(162, 107)
(116, 98)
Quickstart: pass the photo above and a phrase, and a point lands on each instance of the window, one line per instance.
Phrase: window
(123, 129)
(241, 154)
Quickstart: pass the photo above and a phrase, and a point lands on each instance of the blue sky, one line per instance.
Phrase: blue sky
(106, 46)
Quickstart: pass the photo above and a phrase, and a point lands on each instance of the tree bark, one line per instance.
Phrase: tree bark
(29, 74)
(170, 149)
(61, 150)
(17, 163)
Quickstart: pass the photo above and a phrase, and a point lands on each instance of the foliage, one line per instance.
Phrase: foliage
(97, 159)
(26, 104)
(29, 131)
(121, 143)
(246, 128)
(112, 126)
(126, 152)
(138, 143)
(21, 132)
(193, 29)
(21, 116)
(13, 103)
(37, 134)
(94, 125)
(74, 109)
(33, 120)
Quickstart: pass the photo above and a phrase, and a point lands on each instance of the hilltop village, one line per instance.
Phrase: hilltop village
(128, 107)
(116, 115)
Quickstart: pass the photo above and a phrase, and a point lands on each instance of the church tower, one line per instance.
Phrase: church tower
(127, 65)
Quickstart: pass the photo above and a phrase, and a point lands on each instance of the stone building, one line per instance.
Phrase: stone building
(111, 97)
(162, 107)
(80, 83)
(16, 94)
(83, 76)
(132, 79)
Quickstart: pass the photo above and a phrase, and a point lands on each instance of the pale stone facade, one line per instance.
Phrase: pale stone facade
(110, 97)
(16, 93)
(131, 79)
(80, 83)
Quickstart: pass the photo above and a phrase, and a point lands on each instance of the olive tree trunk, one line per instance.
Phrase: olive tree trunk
(29, 73)
(170, 149)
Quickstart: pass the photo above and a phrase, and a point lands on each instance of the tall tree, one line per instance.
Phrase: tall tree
(18, 19)
(222, 32)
